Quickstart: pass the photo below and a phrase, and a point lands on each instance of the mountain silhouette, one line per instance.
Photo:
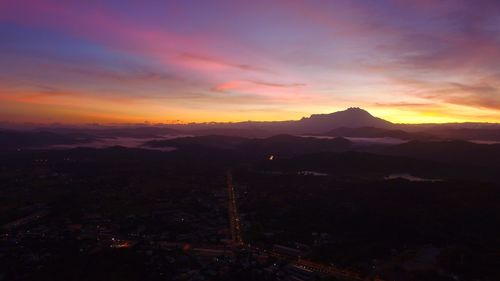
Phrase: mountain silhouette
(353, 117)
(352, 122)
(315, 124)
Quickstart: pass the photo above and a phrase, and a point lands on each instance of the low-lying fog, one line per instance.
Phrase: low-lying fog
(128, 142)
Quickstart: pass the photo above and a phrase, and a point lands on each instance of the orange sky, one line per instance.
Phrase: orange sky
(404, 61)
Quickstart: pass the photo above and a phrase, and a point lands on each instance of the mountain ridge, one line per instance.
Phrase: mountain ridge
(351, 122)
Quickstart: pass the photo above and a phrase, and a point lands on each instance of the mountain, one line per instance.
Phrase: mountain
(475, 134)
(372, 132)
(208, 141)
(114, 131)
(352, 122)
(10, 139)
(456, 151)
(279, 145)
(353, 117)
(288, 145)
(237, 132)
(315, 124)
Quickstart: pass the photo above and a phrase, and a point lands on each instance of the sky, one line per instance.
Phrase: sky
(123, 61)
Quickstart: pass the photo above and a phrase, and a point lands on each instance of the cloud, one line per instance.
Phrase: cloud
(278, 85)
(255, 86)
(471, 95)
(403, 104)
(212, 63)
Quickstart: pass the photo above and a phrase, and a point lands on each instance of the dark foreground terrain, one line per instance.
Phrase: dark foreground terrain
(234, 208)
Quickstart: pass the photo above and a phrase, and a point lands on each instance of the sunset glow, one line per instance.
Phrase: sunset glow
(199, 61)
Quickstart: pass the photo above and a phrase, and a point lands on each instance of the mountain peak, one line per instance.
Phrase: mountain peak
(356, 110)
(351, 112)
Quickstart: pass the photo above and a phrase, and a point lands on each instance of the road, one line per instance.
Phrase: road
(234, 215)
(237, 240)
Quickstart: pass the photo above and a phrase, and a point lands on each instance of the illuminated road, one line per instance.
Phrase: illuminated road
(236, 237)
(234, 215)
(339, 273)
